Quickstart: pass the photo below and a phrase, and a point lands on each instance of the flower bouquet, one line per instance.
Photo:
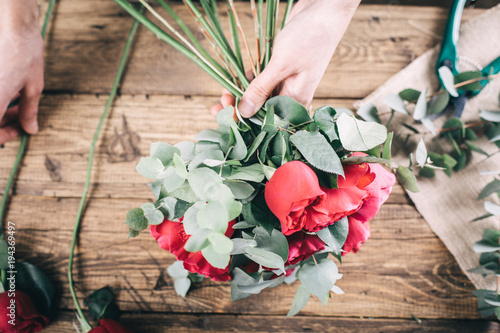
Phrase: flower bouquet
(265, 200)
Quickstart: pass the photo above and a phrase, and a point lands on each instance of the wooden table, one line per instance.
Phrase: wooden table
(403, 279)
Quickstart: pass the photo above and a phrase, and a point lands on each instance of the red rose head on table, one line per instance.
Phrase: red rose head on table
(267, 200)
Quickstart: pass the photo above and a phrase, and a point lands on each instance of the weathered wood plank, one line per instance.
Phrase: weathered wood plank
(56, 160)
(402, 270)
(88, 35)
(185, 323)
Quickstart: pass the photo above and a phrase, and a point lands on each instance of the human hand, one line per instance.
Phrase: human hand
(301, 53)
(21, 67)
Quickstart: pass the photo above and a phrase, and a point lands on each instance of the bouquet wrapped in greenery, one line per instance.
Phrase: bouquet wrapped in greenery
(265, 200)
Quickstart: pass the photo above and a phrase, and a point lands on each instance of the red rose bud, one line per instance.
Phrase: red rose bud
(172, 237)
(110, 326)
(301, 246)
(18, 314)
(292, 194)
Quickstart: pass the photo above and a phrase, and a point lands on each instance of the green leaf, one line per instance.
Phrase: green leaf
(257, 213)
(475, 148)
(364, 159)
(241, 190)
(171, 179)
(220, 243)
(179, 166)
(213, 216)
(368, 112)
(358, 135)
(210, 154)
(265, 258)
(208, 135)
(448, 80)
(214, 258)
(187, 150)
(167, 207)
(439, 103)
(255, 145)
(36, 284)
(493, 116)
(485, 246)
(182, 286)
(386, 153)
(225, 117)
(198, 241)
(133, 233)
(136, 220)
(240, 244)
(275, 242)
(492, 208)
(335, 235)
(239, 150)
(421, 153)
(150, 167)
(289, 109)
(407, 179)
(318, 278)
(201, 180)
(317, 151)
(466, 76)
(240, 277)
(299, 301)
(252, 173)
(421, 106)
(410, 95)
(164, 152)
(324, 120)
(256, 288)
(190, 221)
(153, 215)
(185, 193)
(101, 305)
(177, 270)
(493, 187)
(485, 216)
(395, 102)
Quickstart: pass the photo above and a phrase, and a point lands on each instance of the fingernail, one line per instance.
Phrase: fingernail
(246, 108)
(32, 127)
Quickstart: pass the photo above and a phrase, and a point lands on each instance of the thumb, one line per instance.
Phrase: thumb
(259, 90)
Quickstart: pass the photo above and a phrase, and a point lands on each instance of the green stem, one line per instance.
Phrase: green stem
(226, 50)
(192, 37)
(162, 35)
(270, 26)
(288, 9)
(24, 136)
(104, 115)
(234, 33)
(261, 32)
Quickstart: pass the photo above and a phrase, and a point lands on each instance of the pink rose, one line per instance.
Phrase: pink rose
(110, 326)
(359, 232)
(301, 246)
(172, 237)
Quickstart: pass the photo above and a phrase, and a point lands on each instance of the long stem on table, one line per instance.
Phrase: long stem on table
(192, 38)
(81, 207)
(178, 46)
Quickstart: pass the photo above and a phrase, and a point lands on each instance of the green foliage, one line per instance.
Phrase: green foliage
(490, 188)
(407, 179)
(421, 107)
(136, 219)
(152, 214)
(357, 135)
(101, 305)
(289, 109)
(369, 112)
(318, 277)
(299, 301)
(466, 76)
(37, 284)
(317, 151)
(410, 95)
(324, 120)
(439, 103)
(489, 242)
(395, 102)
(335, 235)
(182, 282)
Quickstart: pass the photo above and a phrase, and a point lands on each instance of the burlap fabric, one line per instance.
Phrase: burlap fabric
(449, 204)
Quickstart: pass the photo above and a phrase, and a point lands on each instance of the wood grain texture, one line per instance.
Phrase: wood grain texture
(88, 35)
(185, 323)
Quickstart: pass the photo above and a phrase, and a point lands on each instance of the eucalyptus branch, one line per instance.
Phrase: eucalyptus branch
(114, 89)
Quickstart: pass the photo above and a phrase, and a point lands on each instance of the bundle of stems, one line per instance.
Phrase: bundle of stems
(225, 64)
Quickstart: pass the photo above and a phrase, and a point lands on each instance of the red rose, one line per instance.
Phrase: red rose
(172, 237)
(359, 232)
(292, 194)
(301, 246)
(18, 314)
(110, 326)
